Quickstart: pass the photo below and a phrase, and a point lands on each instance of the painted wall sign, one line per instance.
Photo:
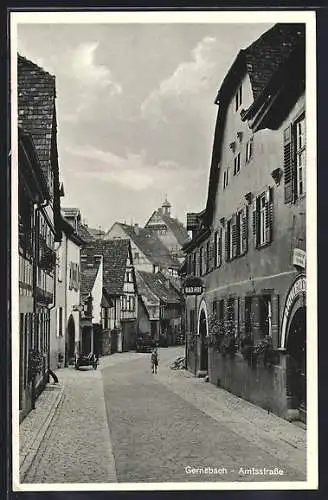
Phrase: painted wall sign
(299, 258)
(193, 290)
(298, 287)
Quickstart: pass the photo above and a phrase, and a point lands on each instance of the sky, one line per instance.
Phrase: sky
(135, 111)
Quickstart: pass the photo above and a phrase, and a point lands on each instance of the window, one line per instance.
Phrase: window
(155, 268)
(194, 267)
(225, 178)
(236, 168)
(266, 315)
(201, 261)
(294, 142)
(136, 255)
(230, 324)
(129, 276)
(208, 249)
(263, 218)
(238, 98)
(249, 150)
(60, 322)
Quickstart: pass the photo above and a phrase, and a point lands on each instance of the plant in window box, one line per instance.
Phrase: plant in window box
(246, 346)
(265, 349)
(228, 343)
(216, 331)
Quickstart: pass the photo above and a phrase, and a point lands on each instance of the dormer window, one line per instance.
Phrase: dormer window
(238, 98)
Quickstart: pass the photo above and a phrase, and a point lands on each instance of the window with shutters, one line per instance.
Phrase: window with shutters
(263, 218)
(231, 240)
(300, 156)
(294, 140)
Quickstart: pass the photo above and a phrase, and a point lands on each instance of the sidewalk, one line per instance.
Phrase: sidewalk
(66, 437)
(285, 440)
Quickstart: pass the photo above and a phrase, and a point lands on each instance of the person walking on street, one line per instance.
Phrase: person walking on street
(154, 360)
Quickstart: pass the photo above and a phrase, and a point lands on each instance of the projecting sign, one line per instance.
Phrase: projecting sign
(299, 258)
(193, 286)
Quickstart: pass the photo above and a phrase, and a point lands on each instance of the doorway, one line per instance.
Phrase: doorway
(296, 347)
(70, 339)
(203, 343)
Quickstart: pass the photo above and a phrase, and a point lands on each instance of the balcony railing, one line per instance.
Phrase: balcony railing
(47, 256)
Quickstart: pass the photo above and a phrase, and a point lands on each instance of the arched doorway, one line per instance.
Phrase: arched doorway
(296, 348)
(203, 344)
(70, 339)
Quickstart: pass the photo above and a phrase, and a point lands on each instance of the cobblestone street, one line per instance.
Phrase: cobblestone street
(157, 426)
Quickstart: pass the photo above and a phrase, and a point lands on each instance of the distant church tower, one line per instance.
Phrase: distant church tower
(166, 207)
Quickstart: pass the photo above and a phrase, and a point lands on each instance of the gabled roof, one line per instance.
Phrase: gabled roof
(151, 246)
(262, 59)
(70, 232)
(36, 107)
(160, 286)
(115, 254)
(144, 290)
(89, 270)
(97, 233)
(174, 225)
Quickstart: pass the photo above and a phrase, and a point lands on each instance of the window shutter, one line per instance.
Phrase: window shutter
(255, 221)
(268, 215)
(234, 229)
(245, 229)
(227, 241)
(215, 249)
(289, 174)
(220, 257)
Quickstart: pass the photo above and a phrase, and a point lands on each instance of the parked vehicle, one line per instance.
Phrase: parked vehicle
(86, 360)
(145, 343)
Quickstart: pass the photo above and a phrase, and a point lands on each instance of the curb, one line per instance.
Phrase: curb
(27, 461)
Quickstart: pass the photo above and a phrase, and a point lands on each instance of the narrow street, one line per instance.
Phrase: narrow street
(160, 427)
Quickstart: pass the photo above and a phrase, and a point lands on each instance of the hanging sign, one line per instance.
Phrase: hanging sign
(193, 286)
(299, 258)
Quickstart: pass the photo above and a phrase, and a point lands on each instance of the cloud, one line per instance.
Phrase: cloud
(132, 172)
(189, 79)
(88, 73)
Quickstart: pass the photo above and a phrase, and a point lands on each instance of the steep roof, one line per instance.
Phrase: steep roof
(97, 233)
(263, 58)
(84, 233)
(177, 228)
(157, 283)
(115, 254)
(144, 290)
(151, 246)
(89, 270)
(36, 107)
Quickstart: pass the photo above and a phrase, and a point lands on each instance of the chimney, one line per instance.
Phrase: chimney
(136, 228)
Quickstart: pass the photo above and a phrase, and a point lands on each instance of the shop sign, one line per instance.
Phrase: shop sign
(299, 287)
(299, 258)
(193, 286)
